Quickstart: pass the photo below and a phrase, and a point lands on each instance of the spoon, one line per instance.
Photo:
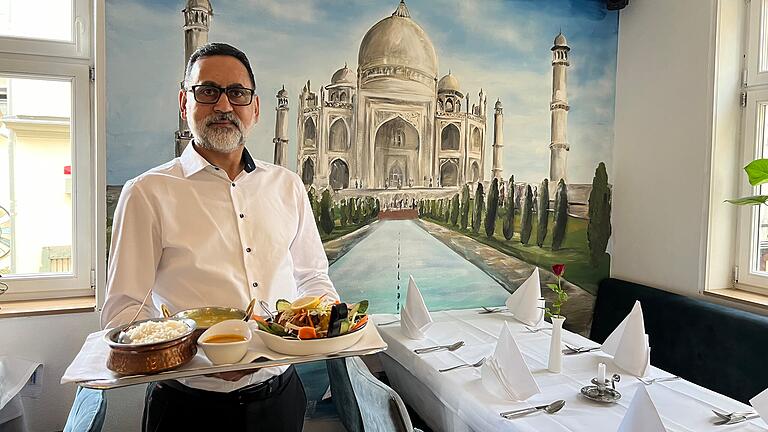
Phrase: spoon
(451, 347)
(123, 337)
(549, 409)
(249, 310)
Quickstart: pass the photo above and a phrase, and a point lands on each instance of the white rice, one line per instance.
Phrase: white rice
(156, 331)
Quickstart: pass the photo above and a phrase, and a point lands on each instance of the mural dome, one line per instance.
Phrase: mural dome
(448, 82)
(560, 40)
(344, 76)
(397, 40)
(199, 4)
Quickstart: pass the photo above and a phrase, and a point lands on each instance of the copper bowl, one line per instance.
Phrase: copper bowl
(211, 315)
(148, 358)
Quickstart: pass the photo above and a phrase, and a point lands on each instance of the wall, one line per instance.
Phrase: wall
(54, 341)
(662, 138)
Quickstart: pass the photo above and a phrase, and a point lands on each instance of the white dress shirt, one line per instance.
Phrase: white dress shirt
(197, 238)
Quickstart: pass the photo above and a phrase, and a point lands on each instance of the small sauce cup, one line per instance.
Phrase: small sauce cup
(226, 342)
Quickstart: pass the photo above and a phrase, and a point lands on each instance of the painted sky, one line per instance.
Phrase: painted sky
(502, 46)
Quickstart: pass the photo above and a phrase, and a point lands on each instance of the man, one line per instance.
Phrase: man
(214, 227)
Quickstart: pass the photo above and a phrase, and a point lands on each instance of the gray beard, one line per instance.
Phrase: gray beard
(222, 140)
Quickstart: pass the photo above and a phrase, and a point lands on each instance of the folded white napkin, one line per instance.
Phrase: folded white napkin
(760, 404)
(524, 302)
(14, 373)
(414, 318)
(505, 373)
(628, 344)
(642, 415)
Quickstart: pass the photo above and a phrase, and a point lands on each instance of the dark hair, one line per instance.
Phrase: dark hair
(216, 49)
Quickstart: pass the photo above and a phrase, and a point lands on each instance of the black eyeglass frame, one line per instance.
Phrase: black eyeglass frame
(222, 90)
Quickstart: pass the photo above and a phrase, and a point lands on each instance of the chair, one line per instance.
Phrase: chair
(88, 411)
(378, 407)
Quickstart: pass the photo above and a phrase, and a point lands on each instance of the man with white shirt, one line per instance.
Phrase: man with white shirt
(214, 227)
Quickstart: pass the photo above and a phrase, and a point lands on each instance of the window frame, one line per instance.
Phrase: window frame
(73, 62)
(79, 48)
(753, 138)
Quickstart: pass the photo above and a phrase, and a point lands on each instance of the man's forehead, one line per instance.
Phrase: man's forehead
(221, 69)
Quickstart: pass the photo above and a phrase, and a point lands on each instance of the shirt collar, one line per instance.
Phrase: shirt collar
(192, 161)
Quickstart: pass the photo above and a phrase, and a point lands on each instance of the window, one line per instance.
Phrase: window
(46, 147)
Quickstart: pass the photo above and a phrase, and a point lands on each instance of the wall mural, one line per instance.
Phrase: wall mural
(460, 142)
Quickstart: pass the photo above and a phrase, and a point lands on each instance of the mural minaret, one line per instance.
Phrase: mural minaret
(281, 129)
(559, 109)
(498, 140)
(197, 22)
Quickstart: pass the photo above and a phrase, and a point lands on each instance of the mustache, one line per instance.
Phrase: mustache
(214, 118)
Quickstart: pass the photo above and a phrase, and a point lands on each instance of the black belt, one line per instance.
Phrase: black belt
(252, 391)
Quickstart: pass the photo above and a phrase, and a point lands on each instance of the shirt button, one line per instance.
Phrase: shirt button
(216, 168)
(248, 250)
(242, 215)
(255, 284)
(233, 185)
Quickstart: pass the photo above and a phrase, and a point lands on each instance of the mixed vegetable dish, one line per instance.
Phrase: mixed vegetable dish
(315, 317)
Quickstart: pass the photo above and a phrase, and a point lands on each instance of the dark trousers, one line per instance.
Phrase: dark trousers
(277, 404)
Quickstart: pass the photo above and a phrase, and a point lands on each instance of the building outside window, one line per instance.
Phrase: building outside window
(46, 166)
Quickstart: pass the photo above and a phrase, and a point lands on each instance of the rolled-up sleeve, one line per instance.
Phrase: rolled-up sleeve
(309, 260)
(134, 255)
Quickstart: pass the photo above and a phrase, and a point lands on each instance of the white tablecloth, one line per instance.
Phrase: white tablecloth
(683, 406)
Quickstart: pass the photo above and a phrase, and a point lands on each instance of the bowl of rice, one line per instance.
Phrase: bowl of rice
(154, 345)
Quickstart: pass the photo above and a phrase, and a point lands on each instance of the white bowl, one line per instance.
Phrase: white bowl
(310, 346)
(227, 352)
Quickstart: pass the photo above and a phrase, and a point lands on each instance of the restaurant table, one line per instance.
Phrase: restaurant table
(457, 400)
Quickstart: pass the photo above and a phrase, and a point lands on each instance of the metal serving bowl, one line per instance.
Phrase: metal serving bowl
(211, 315)
(139, 359)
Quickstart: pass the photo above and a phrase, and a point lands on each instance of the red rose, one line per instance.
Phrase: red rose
(558, 269)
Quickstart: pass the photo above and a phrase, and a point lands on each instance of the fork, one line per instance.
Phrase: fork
(451, 347)
(578, 350)
(649, 381)
(474, 365)
(535, 329)
(487, 310)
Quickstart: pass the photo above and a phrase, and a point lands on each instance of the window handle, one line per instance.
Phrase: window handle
(79, 33)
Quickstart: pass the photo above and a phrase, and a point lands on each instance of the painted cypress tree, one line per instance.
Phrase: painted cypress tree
(447, 210)
(353, 210)
(343, 213)
(526, 221)
(509, 206)
(464, 207)
(493, 208)
(326, 217)
(541, 231)
(477, 216)
(599, 226)
(312, 196)
(455, 210)
(561, 215)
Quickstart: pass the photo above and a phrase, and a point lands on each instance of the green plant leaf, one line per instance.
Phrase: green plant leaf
(757, 171)
(553, 286)
(750, 200)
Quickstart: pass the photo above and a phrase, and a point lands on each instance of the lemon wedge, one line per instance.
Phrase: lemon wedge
(305, 303)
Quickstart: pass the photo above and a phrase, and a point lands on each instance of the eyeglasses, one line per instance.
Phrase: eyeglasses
(210, 94)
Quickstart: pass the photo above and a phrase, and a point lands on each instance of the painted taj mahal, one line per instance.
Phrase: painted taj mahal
(392, 123)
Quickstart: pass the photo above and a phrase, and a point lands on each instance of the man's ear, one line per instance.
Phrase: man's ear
(183, 103)
(256, 109)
